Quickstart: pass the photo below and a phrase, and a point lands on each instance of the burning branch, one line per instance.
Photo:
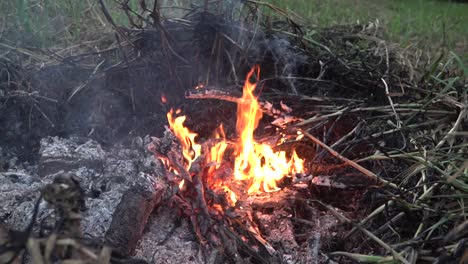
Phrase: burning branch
(206, 192)
(266, 107)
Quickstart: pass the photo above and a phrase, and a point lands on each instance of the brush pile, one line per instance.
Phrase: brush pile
(383, 135)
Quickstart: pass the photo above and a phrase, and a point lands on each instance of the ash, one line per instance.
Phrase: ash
(104, 174)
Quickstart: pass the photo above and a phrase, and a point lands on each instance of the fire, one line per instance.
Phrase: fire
(190, 150)
(217, 151)
(255, 163)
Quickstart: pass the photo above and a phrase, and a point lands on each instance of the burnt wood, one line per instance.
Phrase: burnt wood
(130, 218)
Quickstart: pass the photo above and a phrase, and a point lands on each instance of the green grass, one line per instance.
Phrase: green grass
(429, 24)
(439, 22)
(45, 23)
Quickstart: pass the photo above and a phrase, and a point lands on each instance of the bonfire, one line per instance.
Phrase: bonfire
(255, 163)
(231, 132)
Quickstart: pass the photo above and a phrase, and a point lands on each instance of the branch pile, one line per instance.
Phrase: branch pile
(373, 120)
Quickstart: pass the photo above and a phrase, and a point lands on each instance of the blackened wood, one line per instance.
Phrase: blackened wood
(130, 217)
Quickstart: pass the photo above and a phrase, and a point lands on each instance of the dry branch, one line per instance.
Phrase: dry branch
(353, 164)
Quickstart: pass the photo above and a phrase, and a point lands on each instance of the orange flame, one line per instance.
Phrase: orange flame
(217, 151)
(232, 195)
(255, 163)
(190, 149)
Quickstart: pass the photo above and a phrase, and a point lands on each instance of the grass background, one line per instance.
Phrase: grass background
(427, 24)
(430, 24)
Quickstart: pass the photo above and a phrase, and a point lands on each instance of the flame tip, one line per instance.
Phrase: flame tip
(254, 162)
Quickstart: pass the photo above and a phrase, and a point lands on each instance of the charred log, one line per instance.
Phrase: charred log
(130, 218)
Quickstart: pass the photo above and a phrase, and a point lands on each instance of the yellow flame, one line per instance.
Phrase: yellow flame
(232, 196)
(217, 151)
(296, 163)
(181, 184)
(254, 162)
(190, 150)
(257, 162)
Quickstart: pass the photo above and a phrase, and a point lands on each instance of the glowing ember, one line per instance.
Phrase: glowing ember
(181, 184)
(255, 163)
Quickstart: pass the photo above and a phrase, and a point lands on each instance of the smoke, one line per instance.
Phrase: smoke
(113, 94)
(284, 57)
